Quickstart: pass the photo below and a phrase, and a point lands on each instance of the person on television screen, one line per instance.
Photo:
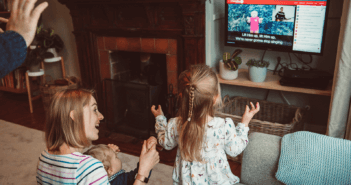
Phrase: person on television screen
(280, 16)
(254, 21)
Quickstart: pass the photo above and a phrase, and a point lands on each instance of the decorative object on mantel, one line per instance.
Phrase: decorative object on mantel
(228, 67)
(45, 46)
(257, 70)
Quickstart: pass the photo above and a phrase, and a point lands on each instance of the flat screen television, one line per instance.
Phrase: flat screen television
(281, 25)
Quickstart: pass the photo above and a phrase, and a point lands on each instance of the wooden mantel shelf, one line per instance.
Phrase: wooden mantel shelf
(271, 82)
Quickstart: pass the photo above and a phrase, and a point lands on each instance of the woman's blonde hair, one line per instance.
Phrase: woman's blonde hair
(198, 88)
(102, 153)
(60, 127)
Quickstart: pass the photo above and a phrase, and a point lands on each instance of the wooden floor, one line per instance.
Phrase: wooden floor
(15, 108)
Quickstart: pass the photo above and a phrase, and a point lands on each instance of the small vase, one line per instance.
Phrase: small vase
(225, 73)
(257, 74)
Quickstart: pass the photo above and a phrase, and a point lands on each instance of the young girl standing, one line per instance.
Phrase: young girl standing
(203, 140)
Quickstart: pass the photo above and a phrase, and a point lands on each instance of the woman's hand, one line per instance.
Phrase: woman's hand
(148, 159)
(250, 113)
(115, 148)
(149, 143)
(24, 19)
(156, 112)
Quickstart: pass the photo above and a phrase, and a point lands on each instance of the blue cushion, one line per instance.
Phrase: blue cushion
(310, 158)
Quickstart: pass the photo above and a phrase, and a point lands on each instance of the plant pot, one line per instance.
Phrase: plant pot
(257, 74)
(225, 73)
(53, 51)
(34, 68)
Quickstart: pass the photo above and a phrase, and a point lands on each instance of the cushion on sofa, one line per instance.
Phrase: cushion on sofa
(310, 158)
(260, 159)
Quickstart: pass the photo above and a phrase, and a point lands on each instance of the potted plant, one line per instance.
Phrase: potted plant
(49, 41)
(257, 70)
(228, 67)
(45, 46)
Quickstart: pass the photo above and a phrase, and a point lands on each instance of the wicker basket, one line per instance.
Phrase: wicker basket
(273, 118)
(48, 90)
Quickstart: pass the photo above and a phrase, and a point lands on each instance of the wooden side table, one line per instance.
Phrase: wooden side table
(43, 81)
(33, 74)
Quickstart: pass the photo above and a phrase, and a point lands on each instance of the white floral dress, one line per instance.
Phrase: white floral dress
(221, 138)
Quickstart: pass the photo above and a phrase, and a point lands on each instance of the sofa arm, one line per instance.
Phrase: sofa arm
(260, 159)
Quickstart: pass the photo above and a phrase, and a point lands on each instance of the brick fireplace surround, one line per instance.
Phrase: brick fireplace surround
(172, 27)
(108, 69)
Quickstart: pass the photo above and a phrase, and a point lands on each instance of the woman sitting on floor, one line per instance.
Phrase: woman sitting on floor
(71, 125)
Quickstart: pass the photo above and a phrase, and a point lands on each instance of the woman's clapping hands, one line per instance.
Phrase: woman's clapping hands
(148, 159)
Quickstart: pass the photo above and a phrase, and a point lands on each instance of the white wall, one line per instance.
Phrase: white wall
(57, 17)
(215, 27)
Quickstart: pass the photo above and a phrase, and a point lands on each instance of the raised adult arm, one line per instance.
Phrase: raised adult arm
(20, 32)
(13, 52)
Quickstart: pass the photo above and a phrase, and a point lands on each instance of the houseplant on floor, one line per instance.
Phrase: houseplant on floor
(228, 67)
(257, 70)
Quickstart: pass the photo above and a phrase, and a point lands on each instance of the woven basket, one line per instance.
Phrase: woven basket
(49, 89)
(273, 118)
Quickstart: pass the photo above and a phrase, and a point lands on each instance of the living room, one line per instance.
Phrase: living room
(59, 17)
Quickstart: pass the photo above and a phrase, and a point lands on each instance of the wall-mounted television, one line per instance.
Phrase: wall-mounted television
(280, 25)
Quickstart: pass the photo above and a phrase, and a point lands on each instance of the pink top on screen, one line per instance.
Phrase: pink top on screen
(254, 23)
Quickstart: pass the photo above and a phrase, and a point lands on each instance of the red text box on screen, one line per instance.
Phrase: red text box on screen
(278, 2)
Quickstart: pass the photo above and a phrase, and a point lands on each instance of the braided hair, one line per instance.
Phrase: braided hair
(198, 87)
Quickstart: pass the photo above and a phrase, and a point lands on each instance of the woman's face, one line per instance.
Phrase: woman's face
(92, 119)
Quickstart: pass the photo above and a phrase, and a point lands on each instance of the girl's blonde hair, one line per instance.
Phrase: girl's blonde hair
(198, 88)
(102, 153)
(60, 127)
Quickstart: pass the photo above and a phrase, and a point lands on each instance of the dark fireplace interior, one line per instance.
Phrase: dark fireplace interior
(139, 81)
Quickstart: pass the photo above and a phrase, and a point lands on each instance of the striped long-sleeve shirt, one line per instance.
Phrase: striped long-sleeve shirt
(74, 168)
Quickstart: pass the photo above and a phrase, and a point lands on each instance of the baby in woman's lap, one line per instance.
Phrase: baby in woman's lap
(107, 154)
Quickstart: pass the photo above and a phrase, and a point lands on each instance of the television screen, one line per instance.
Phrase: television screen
(282, 25)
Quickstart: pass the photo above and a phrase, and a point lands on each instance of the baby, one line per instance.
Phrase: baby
(107, 154)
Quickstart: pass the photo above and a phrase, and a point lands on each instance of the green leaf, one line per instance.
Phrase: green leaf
(226, 56)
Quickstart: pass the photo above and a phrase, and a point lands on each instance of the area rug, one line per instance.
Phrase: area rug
(20, 148)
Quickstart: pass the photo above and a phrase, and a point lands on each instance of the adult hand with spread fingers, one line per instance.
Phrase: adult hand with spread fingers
(24, 18)
(19, 34)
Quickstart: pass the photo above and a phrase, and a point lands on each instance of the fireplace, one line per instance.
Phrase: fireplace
(139, 80)
(174, 28)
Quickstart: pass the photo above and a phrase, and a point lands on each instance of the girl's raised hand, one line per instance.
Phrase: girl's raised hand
(250, 113)
(115, 148)
(156, 112)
